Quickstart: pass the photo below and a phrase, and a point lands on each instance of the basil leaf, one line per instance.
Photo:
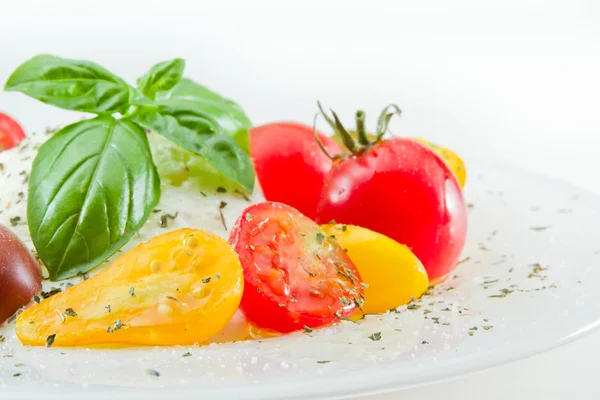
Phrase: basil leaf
(92, 187)
(162, 76)
(224, 113)
(70, 84)
(137, 98)
(184, 125)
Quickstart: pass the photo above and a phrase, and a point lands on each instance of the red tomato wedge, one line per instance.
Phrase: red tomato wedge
(295, 275)
(289, 164)
(11, 132)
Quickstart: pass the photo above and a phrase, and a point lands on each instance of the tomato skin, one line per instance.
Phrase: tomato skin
(11, 132)
(289, 164)
(295, 275)
(453, 160)
(401, 189)
(393, 274)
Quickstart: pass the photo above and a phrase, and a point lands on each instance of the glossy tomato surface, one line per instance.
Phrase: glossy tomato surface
(289, 163)
(20, 274)
(402, 189)
(392, 273)
(295, 275)
(11, 132)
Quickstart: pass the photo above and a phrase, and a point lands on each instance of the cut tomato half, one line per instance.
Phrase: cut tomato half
(295, 275)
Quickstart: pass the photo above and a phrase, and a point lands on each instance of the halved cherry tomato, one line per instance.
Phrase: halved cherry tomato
(454, 162)
(295, 275)
(179, 288)
(11, 132)
(392, 273)
(289, 164)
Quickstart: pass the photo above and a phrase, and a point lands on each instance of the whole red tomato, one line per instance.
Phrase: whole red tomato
(290, 166)
(401, 189)
(11, 132)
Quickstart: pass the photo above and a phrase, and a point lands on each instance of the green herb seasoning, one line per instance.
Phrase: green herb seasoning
(50, 340)
(70, 312)
(132, 291)
(320, 237)
(375, 337)
(540, 228)
(152, 372)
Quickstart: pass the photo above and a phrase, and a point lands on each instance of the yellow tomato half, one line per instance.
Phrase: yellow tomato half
(394, 275)
(454, 162)
(181, 287)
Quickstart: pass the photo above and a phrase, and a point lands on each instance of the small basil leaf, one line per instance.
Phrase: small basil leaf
(137, 98)
(200, 134)
(226, 114)
(70, 84)
(162, 76)
(92, 187)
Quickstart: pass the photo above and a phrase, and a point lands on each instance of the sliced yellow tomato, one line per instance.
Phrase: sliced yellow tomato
(394, 275)
(454, 162)
(182, 287)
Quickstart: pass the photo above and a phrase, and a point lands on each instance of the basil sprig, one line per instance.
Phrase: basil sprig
(94, 184)
(204, 123)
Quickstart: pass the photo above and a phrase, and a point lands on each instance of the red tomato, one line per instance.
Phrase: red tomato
(403, 190)
(11, 132)
(294, 274)
(289, 164)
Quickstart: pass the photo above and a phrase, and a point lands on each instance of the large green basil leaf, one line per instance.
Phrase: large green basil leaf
(70, 84)
(161, 77)
(183, 123)
(224, 113)
(92, 187)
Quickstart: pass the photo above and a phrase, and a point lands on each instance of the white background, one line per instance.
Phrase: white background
(513, 81)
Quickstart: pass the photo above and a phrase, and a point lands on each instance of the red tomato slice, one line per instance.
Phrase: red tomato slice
(289, 164)
(11, 132)
(295, 275)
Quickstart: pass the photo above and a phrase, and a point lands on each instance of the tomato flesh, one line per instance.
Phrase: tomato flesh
(295, 275)
(11, 132)
(289, 164)
(181, 287)
(403, 190)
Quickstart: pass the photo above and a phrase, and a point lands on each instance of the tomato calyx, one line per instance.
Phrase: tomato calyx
(359, 141)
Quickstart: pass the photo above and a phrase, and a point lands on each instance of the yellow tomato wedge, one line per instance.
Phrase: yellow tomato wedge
(394, 275)
(181, 287)
(454, 162)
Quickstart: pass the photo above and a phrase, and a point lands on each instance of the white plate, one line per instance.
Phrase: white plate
(517, 221)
